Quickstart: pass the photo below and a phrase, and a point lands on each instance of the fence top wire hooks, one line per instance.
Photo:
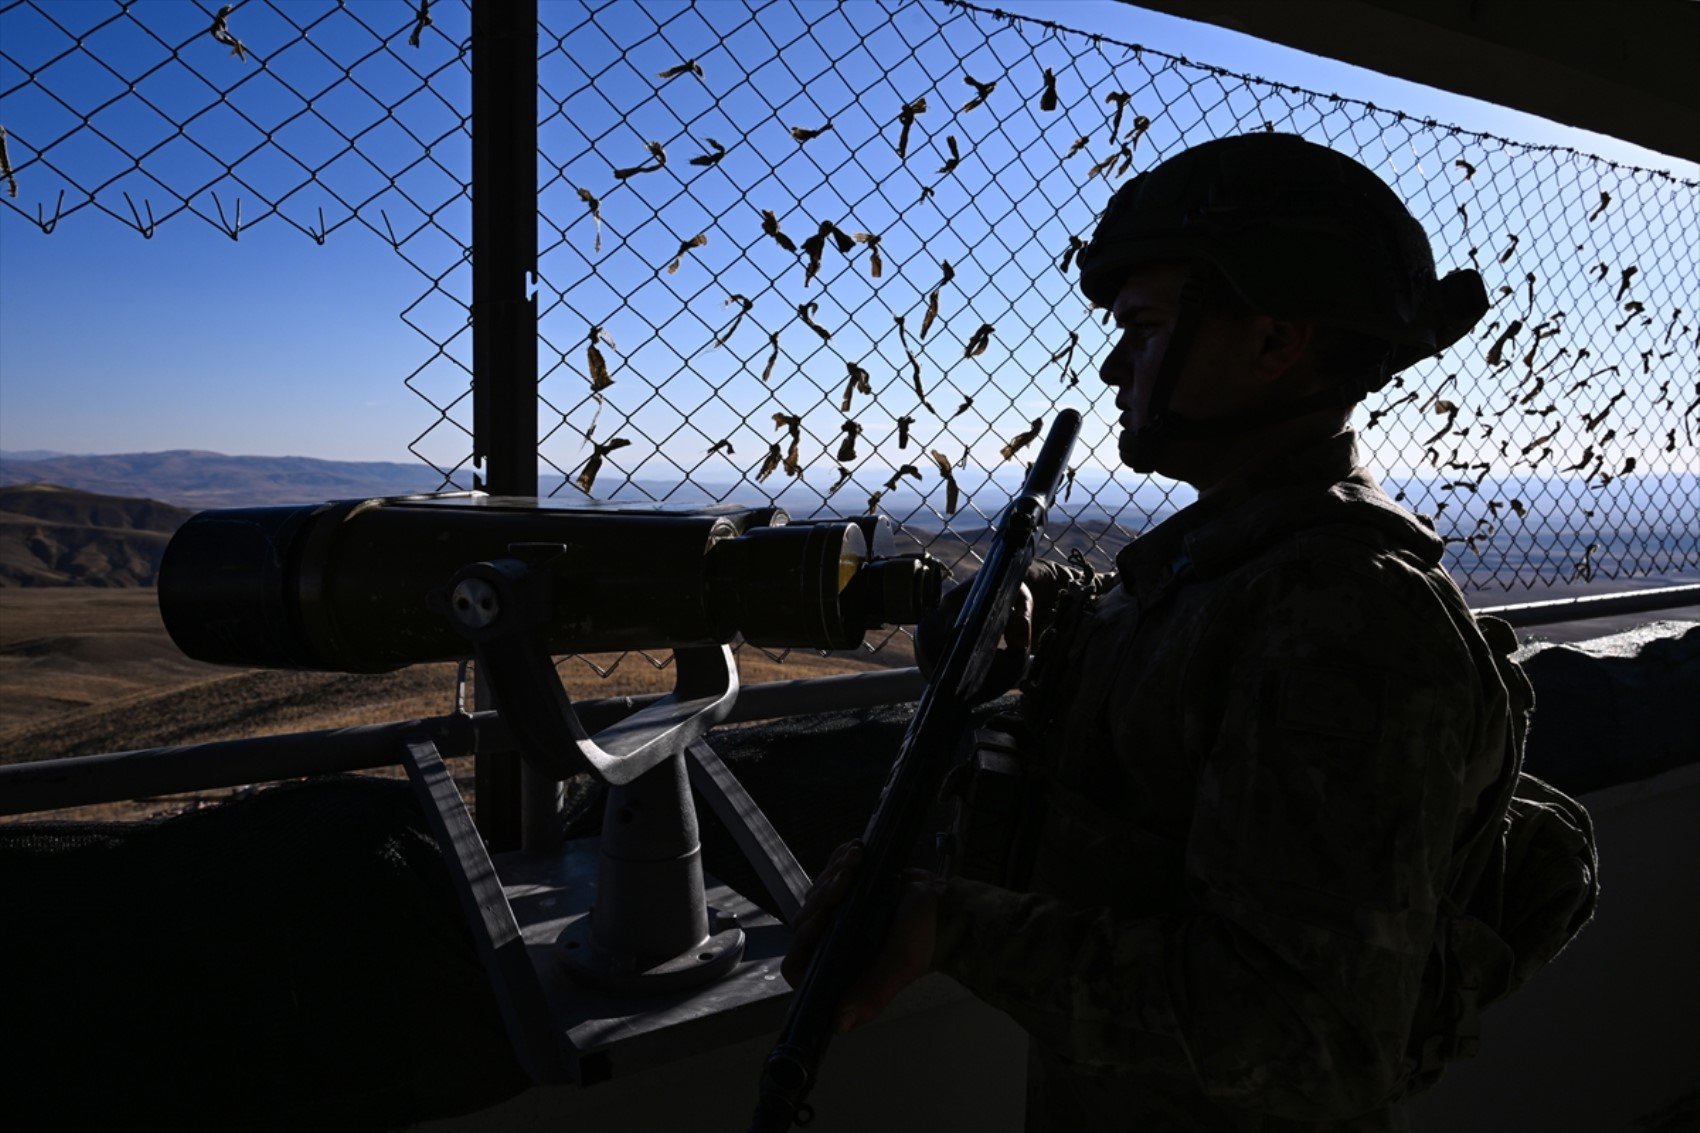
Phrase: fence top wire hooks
(822, 254)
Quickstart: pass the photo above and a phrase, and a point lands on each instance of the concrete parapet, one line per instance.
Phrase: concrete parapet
(1614, 709)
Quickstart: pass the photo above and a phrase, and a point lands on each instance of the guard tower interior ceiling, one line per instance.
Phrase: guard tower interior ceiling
(1622, 69)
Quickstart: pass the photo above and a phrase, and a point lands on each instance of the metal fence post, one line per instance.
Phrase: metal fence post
(504, 314)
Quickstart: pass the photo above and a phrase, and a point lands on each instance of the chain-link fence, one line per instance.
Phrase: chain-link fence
(329, 118)
(837, 245)
(822, 254)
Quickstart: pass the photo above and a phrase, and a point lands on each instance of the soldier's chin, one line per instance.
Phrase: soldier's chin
(1127, 447)
(1138, 450)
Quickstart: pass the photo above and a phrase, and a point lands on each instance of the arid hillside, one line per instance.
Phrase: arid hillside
(211, 479)
(56, 536)
(85, 670)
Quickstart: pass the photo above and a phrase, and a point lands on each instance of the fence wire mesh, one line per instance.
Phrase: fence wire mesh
(821, 254)
(324, 117)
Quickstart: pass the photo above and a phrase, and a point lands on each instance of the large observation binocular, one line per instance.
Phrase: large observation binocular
(371, 585)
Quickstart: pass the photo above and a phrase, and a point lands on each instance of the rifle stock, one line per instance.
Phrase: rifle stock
(859, 929)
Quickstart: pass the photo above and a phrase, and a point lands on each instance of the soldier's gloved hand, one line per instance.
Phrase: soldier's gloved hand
(908, 951)
(1009, 664)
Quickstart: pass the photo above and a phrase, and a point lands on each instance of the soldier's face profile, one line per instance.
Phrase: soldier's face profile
(1220, 375)
(1144, 313)
(1233, 363)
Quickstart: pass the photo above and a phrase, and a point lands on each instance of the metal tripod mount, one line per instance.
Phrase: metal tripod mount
(651, 928)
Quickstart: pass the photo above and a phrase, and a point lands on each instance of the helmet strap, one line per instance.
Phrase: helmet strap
(1163, 425)
(1177, 427)
(1152, 437)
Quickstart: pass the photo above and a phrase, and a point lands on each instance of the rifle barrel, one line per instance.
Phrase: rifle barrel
(862, 923)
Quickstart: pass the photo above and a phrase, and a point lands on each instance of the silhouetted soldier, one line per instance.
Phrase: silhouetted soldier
(1273, 750)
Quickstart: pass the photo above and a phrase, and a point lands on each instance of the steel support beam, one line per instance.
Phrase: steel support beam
(504, 311)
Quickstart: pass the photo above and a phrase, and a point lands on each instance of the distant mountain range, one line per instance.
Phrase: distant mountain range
(98, 525)
(197, 479)
(53, 536)
(57, 536)
(1099, 507)
(30, 454)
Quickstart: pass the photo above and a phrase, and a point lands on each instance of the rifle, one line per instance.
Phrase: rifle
(862, 923)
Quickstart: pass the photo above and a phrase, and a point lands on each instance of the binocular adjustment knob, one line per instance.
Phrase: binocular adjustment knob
(474, 603)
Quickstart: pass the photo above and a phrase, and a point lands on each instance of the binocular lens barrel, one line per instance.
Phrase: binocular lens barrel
(346, 586)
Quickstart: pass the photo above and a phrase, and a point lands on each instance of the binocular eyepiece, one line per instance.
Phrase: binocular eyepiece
(363, 586)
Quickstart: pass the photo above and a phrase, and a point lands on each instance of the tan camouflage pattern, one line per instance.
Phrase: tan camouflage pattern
(1265, 739)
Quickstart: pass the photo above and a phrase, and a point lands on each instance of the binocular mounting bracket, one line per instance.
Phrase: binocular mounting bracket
(650, 927)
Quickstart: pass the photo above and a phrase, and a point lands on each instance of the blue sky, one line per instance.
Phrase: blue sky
(275, 344)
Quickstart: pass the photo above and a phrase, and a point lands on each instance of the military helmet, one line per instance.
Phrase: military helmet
(1299, 232)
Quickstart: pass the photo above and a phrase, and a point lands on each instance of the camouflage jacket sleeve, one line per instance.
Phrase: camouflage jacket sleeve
(1329, 713)
(1046, 579)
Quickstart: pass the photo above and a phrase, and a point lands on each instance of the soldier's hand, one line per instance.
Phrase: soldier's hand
(932, 636)
(908, 951)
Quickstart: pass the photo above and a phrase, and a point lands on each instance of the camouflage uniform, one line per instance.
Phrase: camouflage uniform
(1263, 741)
